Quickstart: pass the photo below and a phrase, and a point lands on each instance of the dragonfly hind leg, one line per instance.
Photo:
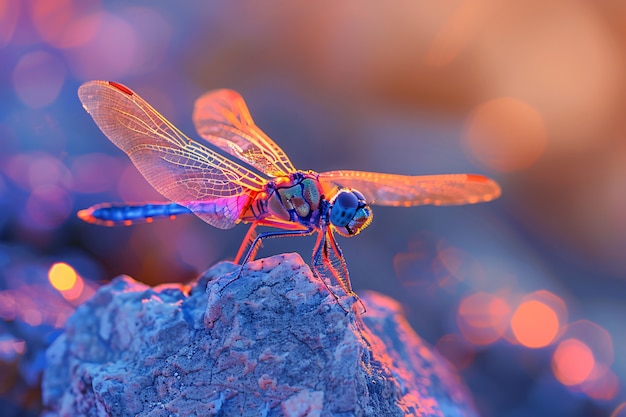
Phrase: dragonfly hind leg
(257, 241)
(245, 244)
(252, 242)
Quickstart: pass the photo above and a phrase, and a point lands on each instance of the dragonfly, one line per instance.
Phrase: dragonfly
(254, 182)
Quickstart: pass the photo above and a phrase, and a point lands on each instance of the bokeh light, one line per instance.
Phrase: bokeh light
(62, 276)
(505, 134)
(32, 316)
(534, 324)
(456, 32)
(10, 348)
(68, 282)
(38, 78)
(9, 16)
(116, 40)
(64, 23)
(47, 207)
(32, 171)
(482, 318)
(572, 362)
(75, 291)
(604, 387)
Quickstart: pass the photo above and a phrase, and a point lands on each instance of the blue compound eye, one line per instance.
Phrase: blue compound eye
(349, 213)
(358, 195)
(344, 208)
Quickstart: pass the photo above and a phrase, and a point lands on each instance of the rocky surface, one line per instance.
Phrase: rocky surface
(273, 342)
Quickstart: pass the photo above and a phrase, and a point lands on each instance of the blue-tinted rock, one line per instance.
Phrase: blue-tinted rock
(272, 343)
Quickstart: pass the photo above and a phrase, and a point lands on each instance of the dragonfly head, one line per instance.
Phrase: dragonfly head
(349, 212)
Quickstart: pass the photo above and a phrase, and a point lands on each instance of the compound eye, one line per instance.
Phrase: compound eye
(359, 195)
(344, 208)
(347, 200)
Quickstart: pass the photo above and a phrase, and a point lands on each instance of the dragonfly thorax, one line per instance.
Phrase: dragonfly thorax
(349, 212)
(293, 198)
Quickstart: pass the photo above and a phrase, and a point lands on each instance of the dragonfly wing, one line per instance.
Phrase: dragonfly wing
(404, 190)
(186, 172)
(222, 118)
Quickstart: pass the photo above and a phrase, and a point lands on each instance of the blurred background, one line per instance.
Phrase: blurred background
(524, 295)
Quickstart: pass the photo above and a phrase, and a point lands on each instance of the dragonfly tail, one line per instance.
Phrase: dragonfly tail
(129, 214)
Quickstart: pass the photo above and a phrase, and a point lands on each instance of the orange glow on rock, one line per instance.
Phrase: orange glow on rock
(572, 362)
(62, 276)
(483, 318)
(505, 134)
(534, 324)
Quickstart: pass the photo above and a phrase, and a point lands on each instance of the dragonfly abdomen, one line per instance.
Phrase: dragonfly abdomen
(128, 214)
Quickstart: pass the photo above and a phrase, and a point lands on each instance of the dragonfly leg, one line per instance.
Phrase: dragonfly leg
(252, 242)
(247, 241)
(254, 246)
(257, 241)
(328, 263)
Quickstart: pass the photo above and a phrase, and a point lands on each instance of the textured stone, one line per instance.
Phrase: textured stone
(273, 342)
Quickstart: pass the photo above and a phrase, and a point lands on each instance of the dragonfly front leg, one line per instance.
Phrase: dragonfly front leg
(328, 264)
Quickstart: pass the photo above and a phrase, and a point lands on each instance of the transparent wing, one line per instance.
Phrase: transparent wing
(222, 118)
(216, 189)
(404, 190)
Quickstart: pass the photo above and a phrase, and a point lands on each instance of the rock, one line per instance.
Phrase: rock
(273, 342)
